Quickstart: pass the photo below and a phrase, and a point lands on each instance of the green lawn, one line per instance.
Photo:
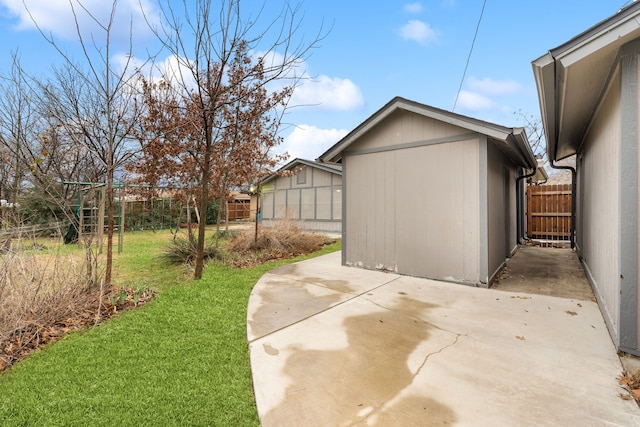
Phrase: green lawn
(180, 360)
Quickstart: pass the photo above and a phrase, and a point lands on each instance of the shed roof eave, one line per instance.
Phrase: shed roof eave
(521, 143)
(491, 130)
(332, 168)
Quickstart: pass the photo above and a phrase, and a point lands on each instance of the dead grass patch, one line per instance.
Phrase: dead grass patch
(46, 292)
(47, 289)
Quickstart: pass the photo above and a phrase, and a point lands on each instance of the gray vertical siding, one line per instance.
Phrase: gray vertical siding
(312, 203)
(600, 206)
(414, 210)
(483, 210)
(629, 202)
(500, 209)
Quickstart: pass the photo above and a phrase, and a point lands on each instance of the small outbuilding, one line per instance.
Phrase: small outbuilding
(304, 191)
(431, 193)
(590, 103)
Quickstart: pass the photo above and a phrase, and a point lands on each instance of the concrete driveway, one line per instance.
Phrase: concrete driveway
(339, 346)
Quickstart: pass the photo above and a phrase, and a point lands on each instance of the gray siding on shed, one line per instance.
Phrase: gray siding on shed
(315, 202)
(414, 210)
(430, 193)
(501, 205)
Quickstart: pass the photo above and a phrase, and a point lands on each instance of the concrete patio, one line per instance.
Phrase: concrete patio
(339, 346)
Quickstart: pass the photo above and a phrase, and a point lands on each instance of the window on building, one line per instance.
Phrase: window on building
(301, 177)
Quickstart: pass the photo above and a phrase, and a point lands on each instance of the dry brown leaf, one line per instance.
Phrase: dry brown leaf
(520, 337)
(622, 380)
(573, 313)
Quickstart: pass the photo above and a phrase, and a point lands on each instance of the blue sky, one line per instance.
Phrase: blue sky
(373, 52)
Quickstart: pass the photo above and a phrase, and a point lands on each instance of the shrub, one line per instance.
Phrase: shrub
(43, 293)
(183, 251)
(283, 240)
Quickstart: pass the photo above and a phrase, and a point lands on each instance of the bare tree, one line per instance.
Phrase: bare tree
(535, 134)
(93, 102)
(204, 40)
(17, 121)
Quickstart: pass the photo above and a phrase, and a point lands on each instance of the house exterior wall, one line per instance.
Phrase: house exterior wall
(413, 191)
(637, 218)
(629, 199)
(313, 201)
(598, 237)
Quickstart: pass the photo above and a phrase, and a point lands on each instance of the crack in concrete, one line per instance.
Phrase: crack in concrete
(377, 409)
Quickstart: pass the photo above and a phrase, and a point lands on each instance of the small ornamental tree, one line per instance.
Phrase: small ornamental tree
(220, 83)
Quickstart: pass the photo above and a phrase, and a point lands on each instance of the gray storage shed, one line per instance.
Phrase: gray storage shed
(431, 193)
(306, 192)
(590, 103)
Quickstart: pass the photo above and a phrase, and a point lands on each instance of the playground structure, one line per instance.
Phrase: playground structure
(131, 212)
(135, 212)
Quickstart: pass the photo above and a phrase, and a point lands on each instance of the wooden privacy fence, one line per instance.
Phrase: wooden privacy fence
(238, 210)
(549, 212)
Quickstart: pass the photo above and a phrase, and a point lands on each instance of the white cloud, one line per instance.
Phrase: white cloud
(177, 70)
(489, 86)
(474, 101)
(328, 93)
(418, 31)
(324, 92)
(309, 142)
(412, 7)
(57, 16)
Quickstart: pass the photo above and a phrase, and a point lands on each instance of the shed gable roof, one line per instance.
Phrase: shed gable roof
(334, 168)
(512, 141)
(571, 79)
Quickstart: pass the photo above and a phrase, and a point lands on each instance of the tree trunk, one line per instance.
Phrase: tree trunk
(255, 235)
(204, 199)
(110, 221)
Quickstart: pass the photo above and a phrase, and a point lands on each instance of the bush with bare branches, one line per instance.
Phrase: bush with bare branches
(43, 294)
(285, 239)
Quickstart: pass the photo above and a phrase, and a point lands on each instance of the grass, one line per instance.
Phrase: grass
(179, 360)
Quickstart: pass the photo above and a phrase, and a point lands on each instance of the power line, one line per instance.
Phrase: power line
(464, 74)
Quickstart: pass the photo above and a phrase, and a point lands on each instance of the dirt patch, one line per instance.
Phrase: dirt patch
(545, 271)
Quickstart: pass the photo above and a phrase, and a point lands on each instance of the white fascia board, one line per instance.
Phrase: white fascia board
(607, 36)
(363, 128)
(498, 133)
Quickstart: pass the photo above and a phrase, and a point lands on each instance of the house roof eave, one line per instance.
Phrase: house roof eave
(567, 103)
